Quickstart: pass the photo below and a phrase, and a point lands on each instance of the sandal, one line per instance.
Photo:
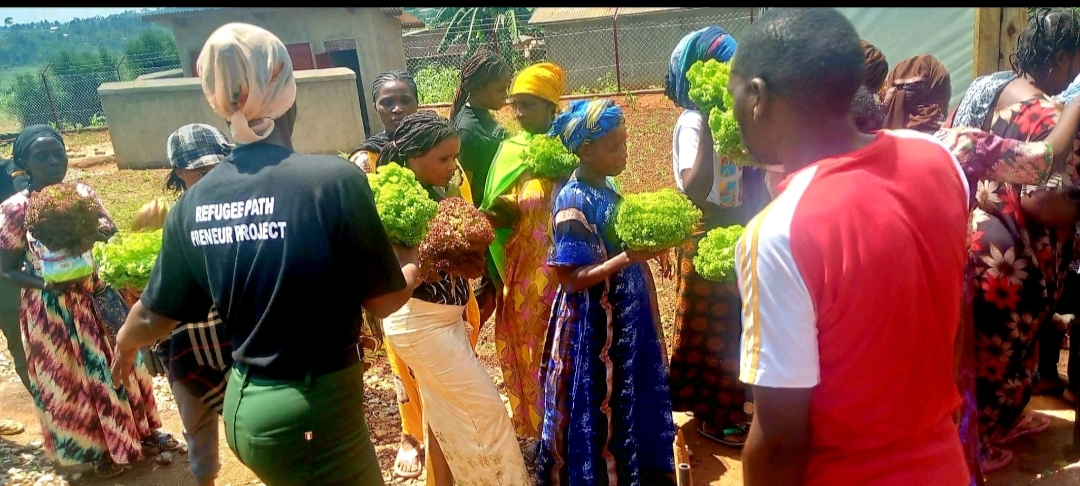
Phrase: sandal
(159, 442)
(369, 345)
(409, 459)
(725, 434)
(995, 459)
(108, 469)
(1025, 426)
(11, 427)
(532, 452)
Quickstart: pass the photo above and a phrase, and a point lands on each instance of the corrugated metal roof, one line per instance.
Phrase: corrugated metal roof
(551, 15)
(167, 11)
(408, 21)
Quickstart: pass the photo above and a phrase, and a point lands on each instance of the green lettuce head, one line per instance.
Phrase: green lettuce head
(403, 204)
(715, 259)
(653, 221)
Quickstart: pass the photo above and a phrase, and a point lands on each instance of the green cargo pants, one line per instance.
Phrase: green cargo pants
(303, 432)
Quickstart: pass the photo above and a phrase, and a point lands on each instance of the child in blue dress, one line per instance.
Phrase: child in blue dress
(607, 418)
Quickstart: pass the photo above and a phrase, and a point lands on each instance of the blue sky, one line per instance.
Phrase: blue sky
(24, 15)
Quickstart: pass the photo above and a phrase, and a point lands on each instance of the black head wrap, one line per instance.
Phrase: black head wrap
(26, 138)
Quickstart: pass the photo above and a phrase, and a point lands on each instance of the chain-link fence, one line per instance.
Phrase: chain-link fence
(64, 94)
(604, 55)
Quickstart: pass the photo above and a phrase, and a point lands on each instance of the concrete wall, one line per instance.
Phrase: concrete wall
(586, 48)
(377, 35)
(168, 74)
(142, 115)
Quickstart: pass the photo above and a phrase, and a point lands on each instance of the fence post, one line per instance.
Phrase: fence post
(618, 67)
(495, 35)
(118, 65)
(48, 94)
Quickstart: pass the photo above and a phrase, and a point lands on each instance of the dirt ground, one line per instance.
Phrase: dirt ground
(649, 120)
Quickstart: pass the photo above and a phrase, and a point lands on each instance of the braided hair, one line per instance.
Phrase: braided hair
(417, 134)
(1049, 31)
(395, 75)
(480, 69)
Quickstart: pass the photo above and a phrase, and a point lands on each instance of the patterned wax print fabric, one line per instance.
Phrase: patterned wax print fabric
(607, 411)
(1019, 270)
(68, 350)
(521, 318)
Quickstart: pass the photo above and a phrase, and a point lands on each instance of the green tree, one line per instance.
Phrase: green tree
(75, 78)
(495, 27)
(152, 51)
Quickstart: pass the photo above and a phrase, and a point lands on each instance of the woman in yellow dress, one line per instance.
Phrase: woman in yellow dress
(519, 206)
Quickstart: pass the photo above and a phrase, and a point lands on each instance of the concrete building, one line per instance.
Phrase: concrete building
(583, 40)
(143, 113)
(366, 40)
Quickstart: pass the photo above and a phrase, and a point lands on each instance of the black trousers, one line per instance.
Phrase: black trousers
(10, 301)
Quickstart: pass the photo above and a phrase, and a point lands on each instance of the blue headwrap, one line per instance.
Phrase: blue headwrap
(585, 121)
(701, 45)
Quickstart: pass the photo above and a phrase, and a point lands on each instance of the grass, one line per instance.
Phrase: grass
(122, 192)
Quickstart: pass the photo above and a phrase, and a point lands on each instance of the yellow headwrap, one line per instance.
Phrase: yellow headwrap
(544, 80)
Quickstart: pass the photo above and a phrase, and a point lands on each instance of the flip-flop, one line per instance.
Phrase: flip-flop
(1017, 433)
(995, 460)
(726, 432)
(11, 427)
(109, 470)
(409, 456)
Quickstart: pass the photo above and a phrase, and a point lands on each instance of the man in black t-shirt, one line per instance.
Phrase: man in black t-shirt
(287, 248)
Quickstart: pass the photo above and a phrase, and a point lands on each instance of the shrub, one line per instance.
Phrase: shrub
(25, 100)
(437, 83)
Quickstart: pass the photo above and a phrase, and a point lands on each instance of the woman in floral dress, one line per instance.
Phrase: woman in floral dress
(914, 103)
(1019, 266)
(68, 346)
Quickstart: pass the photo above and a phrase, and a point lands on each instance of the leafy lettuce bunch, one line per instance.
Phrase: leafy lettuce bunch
(708, 90)
(61, 218)
(652, 221)
(126, 260)
(715, 259)
(458, 240)
(547, 158)
(404, 206)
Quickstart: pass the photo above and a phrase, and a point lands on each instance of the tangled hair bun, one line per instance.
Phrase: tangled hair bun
(1049, 31)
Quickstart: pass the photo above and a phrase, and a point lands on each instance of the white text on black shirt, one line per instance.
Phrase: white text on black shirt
(242, 231)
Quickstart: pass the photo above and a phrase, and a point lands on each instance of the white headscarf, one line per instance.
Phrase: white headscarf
(247, 76)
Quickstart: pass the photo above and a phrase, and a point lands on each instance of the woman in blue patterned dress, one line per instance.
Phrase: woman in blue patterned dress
(607, 418)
